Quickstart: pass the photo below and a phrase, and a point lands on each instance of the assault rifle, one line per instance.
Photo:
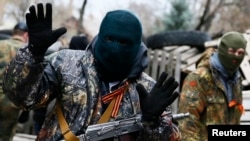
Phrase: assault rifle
(116, 128)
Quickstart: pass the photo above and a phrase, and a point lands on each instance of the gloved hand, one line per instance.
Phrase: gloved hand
(161, 96)
(41, 35)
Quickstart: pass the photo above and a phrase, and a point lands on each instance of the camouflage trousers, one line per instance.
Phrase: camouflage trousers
(8, 118)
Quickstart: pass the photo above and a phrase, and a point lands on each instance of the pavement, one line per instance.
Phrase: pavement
(24, 137)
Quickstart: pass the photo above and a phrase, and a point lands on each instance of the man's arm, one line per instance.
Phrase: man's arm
(24, 82)
(192, 101)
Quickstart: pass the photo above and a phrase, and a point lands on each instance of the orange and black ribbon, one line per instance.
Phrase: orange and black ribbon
(114, 98)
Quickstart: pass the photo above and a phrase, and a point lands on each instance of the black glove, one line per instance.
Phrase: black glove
(41, 35)
(161, 96)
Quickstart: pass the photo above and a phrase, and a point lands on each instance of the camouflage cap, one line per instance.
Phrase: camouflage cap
(21, 26)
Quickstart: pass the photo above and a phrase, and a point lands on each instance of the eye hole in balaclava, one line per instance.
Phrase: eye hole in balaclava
(123, 42)
(231, 42)
(117, 45)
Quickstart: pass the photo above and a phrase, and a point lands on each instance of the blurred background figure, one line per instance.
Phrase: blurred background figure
(78, 42)
(9, 114)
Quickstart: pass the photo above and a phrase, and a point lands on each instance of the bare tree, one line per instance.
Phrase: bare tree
(235, 17)
(16, 9)
(13, 9)
(210, 10)
(80, 23)
(219, 16)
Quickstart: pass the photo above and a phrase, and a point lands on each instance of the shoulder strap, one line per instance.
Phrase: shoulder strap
(115, 97)
(66, 132)
(106, 115)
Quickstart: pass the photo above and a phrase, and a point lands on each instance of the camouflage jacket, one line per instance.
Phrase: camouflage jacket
(8, 51)
(8, 112)
(70, 77)
(204, 97)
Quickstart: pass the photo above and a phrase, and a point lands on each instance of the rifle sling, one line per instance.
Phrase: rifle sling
(113, 107)
(66, 132)
(69, 136)
(106, 115)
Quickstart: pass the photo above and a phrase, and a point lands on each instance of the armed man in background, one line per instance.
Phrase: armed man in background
(101, 84)
(212, 93)
(9, 113)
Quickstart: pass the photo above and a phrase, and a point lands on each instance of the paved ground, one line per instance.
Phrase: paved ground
(24, 137)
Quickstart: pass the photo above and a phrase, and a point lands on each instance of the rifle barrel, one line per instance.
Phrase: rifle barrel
(180, 116)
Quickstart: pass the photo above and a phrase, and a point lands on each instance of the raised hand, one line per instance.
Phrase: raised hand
(162, 95)
(41, 35)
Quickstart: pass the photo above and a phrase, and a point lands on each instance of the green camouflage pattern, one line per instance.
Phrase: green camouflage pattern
(71, 78)
(8, 118)
(8, 112)
(7, 52)
(203, 96)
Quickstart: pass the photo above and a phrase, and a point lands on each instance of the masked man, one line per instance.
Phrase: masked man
(87, 83)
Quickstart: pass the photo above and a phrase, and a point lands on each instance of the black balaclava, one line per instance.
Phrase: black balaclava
(235, 41)
(117, 44)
